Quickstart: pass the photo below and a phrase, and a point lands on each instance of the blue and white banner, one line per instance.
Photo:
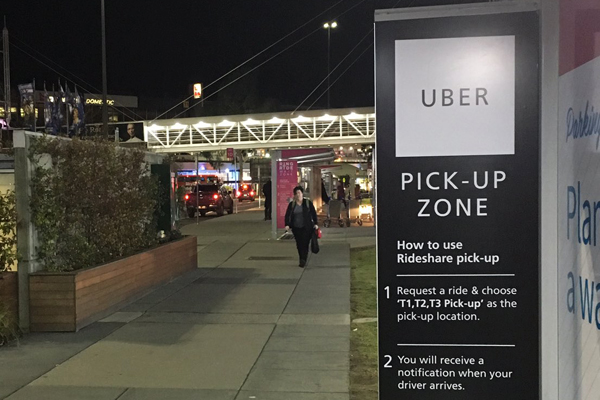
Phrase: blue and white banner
(48, 108)
(26, 92)
(76, 112)
(60, 117)
(55, 118)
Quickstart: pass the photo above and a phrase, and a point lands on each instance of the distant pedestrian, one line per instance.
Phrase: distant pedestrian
(324, 195)
(266, 189)
(341, 193)
(301, 217)
(357, 192)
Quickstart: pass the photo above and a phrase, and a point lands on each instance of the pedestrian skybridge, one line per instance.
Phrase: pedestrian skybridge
(274, 130)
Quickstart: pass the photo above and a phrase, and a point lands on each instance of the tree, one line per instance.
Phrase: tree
(207, 155)
(218, 159)
(214, 158)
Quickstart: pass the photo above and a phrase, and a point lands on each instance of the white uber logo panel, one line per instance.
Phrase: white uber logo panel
(455, 96)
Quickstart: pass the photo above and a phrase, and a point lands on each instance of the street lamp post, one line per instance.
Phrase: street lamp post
(104, 82)
(329, 26)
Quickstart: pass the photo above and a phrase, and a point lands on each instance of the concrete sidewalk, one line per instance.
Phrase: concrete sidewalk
(248, 324)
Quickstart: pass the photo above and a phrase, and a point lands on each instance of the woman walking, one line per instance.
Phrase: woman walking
(301, 217)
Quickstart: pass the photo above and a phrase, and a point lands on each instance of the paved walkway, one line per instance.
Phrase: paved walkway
(248, 324)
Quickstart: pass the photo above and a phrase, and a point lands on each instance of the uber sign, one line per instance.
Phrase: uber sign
(448, 100)
(458, 147)
(455, 96)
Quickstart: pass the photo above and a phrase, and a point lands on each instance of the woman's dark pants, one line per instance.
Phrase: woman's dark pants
(302, 236)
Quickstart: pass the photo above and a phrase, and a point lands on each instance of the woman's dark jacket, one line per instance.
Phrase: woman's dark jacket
(308, 211)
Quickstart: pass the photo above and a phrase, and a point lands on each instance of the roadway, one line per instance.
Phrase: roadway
(243, 207)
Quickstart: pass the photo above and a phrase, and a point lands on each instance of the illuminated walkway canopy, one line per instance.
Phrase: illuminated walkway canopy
(273, 130)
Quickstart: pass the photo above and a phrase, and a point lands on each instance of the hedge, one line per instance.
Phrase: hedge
(91, 202)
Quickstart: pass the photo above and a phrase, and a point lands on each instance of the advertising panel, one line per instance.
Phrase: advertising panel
(287, 180)
(197, 90)
(458, 224)
(129, 132)
(579, 201)
(28, 105)
(125, 132)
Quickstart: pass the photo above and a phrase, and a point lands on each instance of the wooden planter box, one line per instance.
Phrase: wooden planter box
(9, 292)
(69, 301)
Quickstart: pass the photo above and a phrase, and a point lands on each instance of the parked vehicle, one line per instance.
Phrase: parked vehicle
(207, 198)
(245, 192)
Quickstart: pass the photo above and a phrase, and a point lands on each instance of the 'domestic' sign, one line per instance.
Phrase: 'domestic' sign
(458, 203)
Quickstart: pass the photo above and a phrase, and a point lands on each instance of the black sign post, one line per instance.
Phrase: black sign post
(458, 203)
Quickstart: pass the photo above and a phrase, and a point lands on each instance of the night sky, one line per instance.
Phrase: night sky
(159, 48)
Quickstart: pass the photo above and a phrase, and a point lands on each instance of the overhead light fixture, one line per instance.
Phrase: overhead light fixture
(326, 117)
(202, 125)
(227, 123)
(300, 118)
(251, 121)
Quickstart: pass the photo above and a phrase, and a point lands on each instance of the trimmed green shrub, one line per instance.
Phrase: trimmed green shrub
(91, 202)
(8, 231)
(8, 325)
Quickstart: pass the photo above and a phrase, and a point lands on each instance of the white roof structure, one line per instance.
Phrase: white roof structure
(273, 130)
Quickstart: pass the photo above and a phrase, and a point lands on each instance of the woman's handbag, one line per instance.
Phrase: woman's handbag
(314, 242)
